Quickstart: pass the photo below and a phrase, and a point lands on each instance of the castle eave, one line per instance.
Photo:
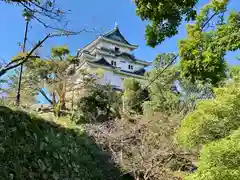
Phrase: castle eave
(138, 74)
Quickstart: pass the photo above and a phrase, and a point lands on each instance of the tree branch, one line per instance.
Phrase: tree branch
(4, 70)
(205, 24)
(172, 60)
(63, 31)
(54, 14)
(45, 9)
(19, 59)
(25, 59)
(45, 96)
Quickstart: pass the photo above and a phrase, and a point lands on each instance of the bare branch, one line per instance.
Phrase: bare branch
(67, 32)
(45, 9)
(29, 55)
(4, 70)
(54, 13)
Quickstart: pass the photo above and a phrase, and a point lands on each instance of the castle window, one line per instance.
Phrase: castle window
(130, 67)
(116, 49)
(113, 63)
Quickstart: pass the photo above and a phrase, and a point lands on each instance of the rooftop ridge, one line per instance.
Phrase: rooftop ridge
(112, 34)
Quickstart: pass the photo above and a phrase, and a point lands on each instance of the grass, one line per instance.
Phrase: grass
(34, 148)
(63, 121)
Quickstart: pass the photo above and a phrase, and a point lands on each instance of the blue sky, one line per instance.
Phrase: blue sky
(98, 14)
(101, 15)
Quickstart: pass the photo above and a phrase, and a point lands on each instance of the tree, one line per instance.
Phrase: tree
(235, 73)
(219, 160)
(163, 96)
(213, 128)
(21, 60)
(31, 84)
(2, 82)
(98, 104)
(29, 93)
(52, 74)
(202, 52)
(168, 91)
(212, 119)
(165, 17)
(191, 93)
(134, 95)
(162, 60)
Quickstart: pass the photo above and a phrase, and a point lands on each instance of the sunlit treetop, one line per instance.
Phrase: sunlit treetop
(208, 40)
(60, 51)
(212, 119)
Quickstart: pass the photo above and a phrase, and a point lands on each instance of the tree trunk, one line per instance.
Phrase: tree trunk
(55, 105)
(62, 104)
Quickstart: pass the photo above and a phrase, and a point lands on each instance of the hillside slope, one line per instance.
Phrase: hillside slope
(32, 148)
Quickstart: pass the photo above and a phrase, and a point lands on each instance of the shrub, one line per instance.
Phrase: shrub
(220, 160)
(212, 119)
(99, 103)
(210, 126)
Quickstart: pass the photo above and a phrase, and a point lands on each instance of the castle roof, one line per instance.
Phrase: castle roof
(116, 35)
(104, 62)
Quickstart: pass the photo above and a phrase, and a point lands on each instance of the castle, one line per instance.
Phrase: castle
(112, 53)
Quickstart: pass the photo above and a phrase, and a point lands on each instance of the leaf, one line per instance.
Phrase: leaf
(55, 176)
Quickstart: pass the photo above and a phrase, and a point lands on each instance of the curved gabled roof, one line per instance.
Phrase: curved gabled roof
(133, 58)
(116, 35)
(103, 62)
(139, 72)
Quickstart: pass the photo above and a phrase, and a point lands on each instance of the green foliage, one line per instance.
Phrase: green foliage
(19, 55)
(201, 59)
(134, 95)
(202, 52)
(165, 17)
(162, 60)
(100, 103)
(32, 148)
(28, 94)
(235, 73)
(28, 15)
(170, 93)
(191, 93)
(51, 74)
(2, 83)
(212, 119)
(60, 52)
(211, 126)
(162, 100)
(220, 160)
(161, 93)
